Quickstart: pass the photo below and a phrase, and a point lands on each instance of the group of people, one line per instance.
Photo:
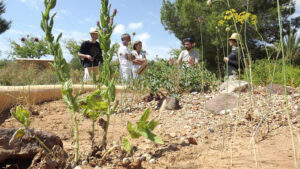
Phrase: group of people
(130, 61)
(90, 54)
(91, 57)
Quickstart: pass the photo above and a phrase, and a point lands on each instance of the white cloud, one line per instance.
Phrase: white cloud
(36, 4)
(119, 29)
(17, 32)
(72, 34)
(137, 25)
(143, 37)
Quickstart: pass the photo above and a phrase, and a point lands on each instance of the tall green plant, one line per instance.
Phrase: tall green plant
(106, 75)
(61, 68)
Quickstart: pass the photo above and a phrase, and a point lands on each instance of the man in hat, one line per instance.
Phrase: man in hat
(90, 54)
(189, 56)
(235, 58)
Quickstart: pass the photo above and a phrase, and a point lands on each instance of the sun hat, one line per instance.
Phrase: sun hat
(234, 36)
(94, 30)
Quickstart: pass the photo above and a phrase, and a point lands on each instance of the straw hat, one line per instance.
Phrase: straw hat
(235, 36)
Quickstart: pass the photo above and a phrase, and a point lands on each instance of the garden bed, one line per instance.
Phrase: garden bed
(194, 137)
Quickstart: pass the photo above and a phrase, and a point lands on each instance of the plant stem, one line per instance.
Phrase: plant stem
(93, 133)
(285, 88)
(45, 147)
(76, 136)
(104, 139)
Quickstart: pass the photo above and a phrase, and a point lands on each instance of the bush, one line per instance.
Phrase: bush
(176, 79)
(12, 74)
(261, 75)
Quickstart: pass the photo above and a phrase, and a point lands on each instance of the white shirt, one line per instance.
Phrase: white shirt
(123, 50)
(138, 56)
(186, 55)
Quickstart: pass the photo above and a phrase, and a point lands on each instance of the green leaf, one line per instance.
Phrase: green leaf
(22, 115)
(145, 115)
(152, 124)
(126, 145)
(133, 131)
(147, 134)
(18, 134)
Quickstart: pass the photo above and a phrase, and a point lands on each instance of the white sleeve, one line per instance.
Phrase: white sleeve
(181, 55)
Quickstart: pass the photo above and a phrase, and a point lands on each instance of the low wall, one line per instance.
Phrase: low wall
(11, 95)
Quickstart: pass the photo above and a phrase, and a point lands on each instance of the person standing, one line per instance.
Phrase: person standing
(90, 54)
(125, 58)
(235, 58)
(140, 58)
(189, 55)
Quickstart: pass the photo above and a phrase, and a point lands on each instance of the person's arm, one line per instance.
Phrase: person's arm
(83, 56)
(233, 59)
(81, 52)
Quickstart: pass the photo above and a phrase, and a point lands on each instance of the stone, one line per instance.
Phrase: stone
(233, 86)
(77, 167)
(219, 103)
(168, 103)
(173, 135)
(279, 89)
(97, 167)
(152, 161)
(25, 147)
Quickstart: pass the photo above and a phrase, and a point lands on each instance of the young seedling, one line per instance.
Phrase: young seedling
(93, 106)
(142, 128)
(22, 116)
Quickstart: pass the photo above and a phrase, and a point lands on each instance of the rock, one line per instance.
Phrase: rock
(147, 156)
(137, 164)
(168, 103)
(222, 112)
(26, 147)
(279, 89)
(85, 162)
(192, 141)
(77, 167)
(233, 86)
(219, 103)
(97, 167)
(126, 161)
(152, 161)
(173, 135)
(147, 98)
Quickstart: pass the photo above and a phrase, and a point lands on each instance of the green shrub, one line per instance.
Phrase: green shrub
(176, 79)
(12, 74)
(261, 75)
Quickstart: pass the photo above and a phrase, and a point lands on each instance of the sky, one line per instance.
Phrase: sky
(75, 17)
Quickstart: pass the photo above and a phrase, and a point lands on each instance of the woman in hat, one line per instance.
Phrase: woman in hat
(140, 57)
(235, 58)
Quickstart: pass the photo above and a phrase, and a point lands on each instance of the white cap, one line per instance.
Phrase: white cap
(94, 30)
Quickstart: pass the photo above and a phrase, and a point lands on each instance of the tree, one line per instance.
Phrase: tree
(73, 47)
(30, 47)
(180, 17)
(4, 24)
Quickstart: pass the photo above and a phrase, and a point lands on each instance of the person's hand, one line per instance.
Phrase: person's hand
(225, 59)
(191, 61)
(171, 60)
(90, 58)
